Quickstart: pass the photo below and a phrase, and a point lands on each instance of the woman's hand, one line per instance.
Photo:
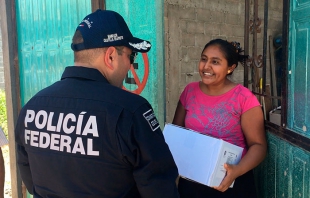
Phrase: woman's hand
(232, 173)
(252, 123)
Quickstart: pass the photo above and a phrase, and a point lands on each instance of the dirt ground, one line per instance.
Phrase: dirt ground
(7, 183)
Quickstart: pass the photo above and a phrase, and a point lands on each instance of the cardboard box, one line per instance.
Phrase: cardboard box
(200, 157)
(275, 116)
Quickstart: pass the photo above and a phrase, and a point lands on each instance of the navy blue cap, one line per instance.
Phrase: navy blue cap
(105, 28)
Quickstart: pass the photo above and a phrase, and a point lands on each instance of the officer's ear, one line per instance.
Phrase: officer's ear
(109, 57)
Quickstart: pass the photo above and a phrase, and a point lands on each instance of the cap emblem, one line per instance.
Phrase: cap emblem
(113, 37)
(143, 45)
(88, 23)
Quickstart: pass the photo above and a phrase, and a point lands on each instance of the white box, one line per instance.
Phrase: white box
(200, 157)
(275, 116)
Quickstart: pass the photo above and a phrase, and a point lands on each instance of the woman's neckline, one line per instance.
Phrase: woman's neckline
(231, 89)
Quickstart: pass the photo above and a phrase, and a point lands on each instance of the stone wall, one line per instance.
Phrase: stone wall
(189, 25)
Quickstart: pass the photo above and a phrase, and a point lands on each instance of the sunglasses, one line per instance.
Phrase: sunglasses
(133, 57)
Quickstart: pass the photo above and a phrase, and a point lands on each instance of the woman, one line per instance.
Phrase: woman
(221, 108)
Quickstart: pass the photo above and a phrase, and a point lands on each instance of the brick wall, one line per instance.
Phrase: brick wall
(1, 62)
(189, 25)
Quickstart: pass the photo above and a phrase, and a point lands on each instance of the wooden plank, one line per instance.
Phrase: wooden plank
(273, 72)
(11, 78)
(97, 4)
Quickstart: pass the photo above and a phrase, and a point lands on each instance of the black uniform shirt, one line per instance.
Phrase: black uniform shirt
(82, 137)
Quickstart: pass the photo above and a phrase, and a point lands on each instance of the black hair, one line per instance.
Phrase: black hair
(84, 56)
(231, 50)
(77, 37)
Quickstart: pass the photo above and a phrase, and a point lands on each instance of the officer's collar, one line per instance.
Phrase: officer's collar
(83, 72)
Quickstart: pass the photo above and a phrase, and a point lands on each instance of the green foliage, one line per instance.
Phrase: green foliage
(3, 116)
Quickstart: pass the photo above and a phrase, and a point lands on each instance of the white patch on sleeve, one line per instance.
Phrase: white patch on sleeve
(151, 119)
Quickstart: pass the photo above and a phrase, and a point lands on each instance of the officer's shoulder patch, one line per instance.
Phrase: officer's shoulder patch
(151, 119)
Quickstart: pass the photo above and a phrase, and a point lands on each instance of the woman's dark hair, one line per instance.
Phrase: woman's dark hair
(231, 50)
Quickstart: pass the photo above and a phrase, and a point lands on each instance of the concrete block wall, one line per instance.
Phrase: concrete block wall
(189, 25)
(1, 62)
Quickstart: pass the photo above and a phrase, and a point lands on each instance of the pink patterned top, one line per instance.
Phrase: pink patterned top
(218, 116)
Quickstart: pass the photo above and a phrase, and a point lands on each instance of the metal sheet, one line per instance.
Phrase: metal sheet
(145, 20)
(45, 29)
(284, 172)
(299, 73)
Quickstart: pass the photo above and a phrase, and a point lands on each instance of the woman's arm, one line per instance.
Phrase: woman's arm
(179, 115)
(252, 123)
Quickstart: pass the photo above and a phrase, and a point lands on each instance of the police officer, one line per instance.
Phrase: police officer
(84, 136)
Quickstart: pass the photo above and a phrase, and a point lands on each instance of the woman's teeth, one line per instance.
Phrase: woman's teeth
(207, 74)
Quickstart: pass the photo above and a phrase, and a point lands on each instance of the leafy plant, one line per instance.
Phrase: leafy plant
(3, 115)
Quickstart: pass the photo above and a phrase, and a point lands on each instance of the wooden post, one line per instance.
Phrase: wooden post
(11, 78)
(97, 4)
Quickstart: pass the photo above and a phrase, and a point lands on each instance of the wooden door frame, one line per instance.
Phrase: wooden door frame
(11, 81)
(280, 131)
